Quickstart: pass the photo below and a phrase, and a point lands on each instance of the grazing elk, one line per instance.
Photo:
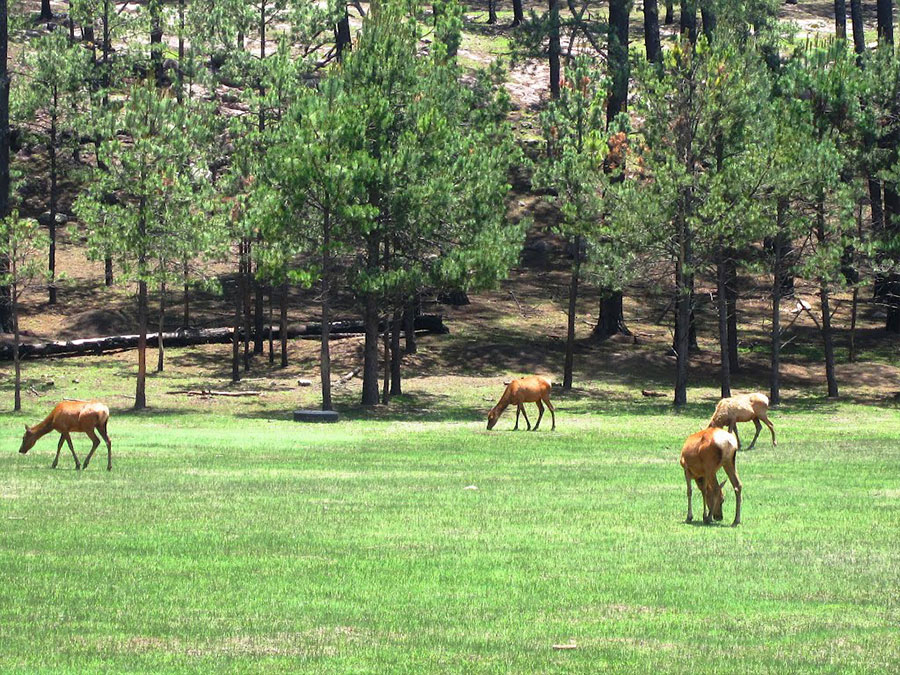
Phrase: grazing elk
(68, 416)
(532, 389)
(743, 408)
(702, 455)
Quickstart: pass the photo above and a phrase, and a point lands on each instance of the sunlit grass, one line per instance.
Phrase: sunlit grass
(227, 536)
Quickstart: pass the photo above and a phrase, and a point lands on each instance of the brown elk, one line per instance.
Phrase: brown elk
(743, 408)
(532, 389)
(702, 455)
(68, 416)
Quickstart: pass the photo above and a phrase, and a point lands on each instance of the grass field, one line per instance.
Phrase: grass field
(228, 537)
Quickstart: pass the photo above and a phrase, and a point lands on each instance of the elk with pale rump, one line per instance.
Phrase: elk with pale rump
(68, 416)
(702, 455)
(532, 389)
(743, 408)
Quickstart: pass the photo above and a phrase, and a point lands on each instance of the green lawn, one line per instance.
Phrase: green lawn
(227, 537)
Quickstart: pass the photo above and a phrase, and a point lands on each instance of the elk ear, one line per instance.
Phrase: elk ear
(26, 428)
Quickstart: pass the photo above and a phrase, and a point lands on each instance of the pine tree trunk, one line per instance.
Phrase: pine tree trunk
(160, 361)
(651, 31)
(554, 49)
(492, 12)
(731, 295)
(518, 13)
(259, 319)
(324, 352)
(827, 336)
(611, 320)
(51, 149)
(396, 328)
(708, 15)
(245, 292)
(342, 38)
(856, 20)
(570, 330)
(17, 402)
(777, 290)
(688, 21)
(6, 319)
(282, 325)
(618, 58)
(140, 396)
(722, 307)
(156, 36)
(179, 88)
(885, 18)
(670, 12)
(187, 295)
(108, 271)
(46, 11)
(840, 19)
(271, 327)
(851, 356)
(386, 380)
(370, 350)
(238, 314)
(683, 290)
(409, 319)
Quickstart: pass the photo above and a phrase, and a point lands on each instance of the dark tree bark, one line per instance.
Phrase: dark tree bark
(46, 11)
(554, 50)
(731, 295)
(325, 347)
(518, 12)
(827, 335)
(618, 58)
(722, 307)
(342, 39)
(492, 12)
(386, 380)
(409, 320)
(651, 31)
(370, 318)
(186, 319)
(6, 318)
(856, 19)
(282, 324)
(683, 313)
(51, 150)
(885, 18)
(708, 15)
(245, 292)
(238, 314)
(670, 12)
(570, 329)
(156, 46)
(259, 319)
(182, 65)
(140, 396)
(108, 271)
(271, 327)
(840, 19)
(396, 354)
(17, 362)
(688, 21)
(160, 341)
(777, 291)
(611, 320)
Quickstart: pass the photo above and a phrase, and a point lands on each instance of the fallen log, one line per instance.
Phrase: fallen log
(213, 392)
(187, 337)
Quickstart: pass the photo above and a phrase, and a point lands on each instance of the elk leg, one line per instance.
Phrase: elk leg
(552, 412)
(701, 485)
(758, 429)
(540, 415)
(690, 513)
(58, 448)
(95, 442)
(769, 424)
(733, 429)
(72, 448)
(525, 415)
(518, 410)
(102, 431)
(731, 470)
